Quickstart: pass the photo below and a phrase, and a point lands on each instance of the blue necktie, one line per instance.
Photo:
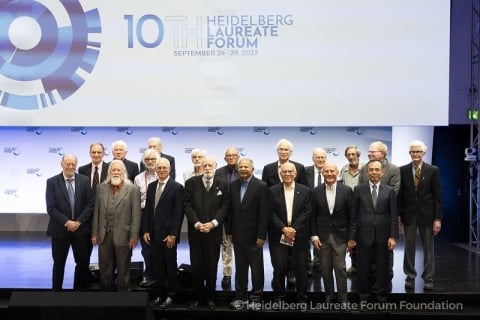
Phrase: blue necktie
(71, 195)
(243, 189)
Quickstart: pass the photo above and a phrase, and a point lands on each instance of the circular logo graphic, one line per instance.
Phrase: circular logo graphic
(46, 48)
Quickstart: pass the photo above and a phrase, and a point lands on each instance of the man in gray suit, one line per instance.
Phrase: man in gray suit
(116, 224)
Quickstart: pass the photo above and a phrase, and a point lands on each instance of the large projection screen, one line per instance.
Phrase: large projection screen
(224, 63)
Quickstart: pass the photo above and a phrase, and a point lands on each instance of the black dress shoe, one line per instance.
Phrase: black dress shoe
(211, 305)
(226, 283)
(195, 304)
(167, 303)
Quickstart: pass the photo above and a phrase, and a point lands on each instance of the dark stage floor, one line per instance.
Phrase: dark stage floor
(25, 265)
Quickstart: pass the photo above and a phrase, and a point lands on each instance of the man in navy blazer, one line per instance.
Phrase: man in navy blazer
(289, 233)
(162, 225)
(377, 229)
(206, 206)
(420, 208)
(69, 226)
(333, 230)
(247, 221)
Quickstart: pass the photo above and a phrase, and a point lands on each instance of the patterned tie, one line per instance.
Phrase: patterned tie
(417, 177)
(71, 195)
(208, 185)
(95, 181)
(319, 178)
(374, 195)
(158, 193)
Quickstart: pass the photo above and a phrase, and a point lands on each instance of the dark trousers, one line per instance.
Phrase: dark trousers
(164, 266)
(81, 254)
(248, 256)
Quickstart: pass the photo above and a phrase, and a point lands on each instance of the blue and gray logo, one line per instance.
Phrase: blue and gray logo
(46, 48)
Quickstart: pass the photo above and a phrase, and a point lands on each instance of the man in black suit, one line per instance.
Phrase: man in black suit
(375, 206)
(156, 143)
(247, 223)
(333, 230)
(162, 224)
(271, 175)
(97, 152)
(271, 171)
(206, 204)
(420, 208)
(119, 151)
(69, 200)
(290, 232)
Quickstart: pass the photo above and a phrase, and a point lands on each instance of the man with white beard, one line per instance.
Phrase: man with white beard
(115, 226)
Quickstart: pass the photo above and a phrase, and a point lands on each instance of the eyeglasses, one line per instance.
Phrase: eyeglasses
(415, 151)
(150, 159)
(231, 155)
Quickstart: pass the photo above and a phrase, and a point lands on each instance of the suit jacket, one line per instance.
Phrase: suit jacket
(58, 205)
(425, 203)
(172, 164)
(224, 173)
(391, 175)
(301, 214)
(202, 206)
(379, 223)
(132, 169)
(270, 173)
(310, 176)
(341, 223)
(127, 211)
(167, 217)
(248, 219)
(86, 170)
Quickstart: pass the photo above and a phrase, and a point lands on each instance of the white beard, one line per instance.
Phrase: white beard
(115, 181)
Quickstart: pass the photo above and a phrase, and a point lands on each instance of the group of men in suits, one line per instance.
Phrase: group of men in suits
(285, 206)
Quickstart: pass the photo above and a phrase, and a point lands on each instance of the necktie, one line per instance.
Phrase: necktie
(208, 185)
(417, 177)
(243, 189)
(95, 181)
(71, 195)
(319, 178)
(158, 193)
(374, 195)
(232, 176)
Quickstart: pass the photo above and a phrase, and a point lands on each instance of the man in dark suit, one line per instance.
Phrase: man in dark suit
(420, 208)
(115, 226)
(375, 206)
(69, 200)
(247, 223)
(271, 171)
(119, 151)
(162, 224)
(391, 176)
(206, 206)
(229, 172)
(271, 175)
(97, 152)
(156, 143)
(333, 230)
(289, 233)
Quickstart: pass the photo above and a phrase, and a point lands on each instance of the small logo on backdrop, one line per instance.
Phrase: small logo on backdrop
(45, 51)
